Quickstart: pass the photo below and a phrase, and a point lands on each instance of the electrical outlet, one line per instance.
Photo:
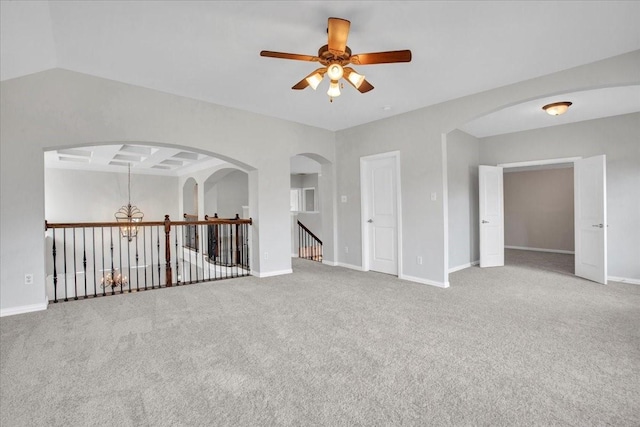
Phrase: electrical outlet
(419, 260)
(266, 255)
(28, 279)
(346, 249)
(434, 197)
(343, 199)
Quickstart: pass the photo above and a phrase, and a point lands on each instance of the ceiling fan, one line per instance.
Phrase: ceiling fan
(335, 55)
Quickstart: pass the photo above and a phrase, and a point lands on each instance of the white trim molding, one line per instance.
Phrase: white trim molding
(539, 162)
(424, 281)
(463, 266)
(350, 266)
(624, 280)
(271, 273)
(329, 262)
(555, 251)
(24, 309)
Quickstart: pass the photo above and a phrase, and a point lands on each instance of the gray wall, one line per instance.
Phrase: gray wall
(616, 137)
(61, 109)
(190, 197)
(87, 196)
(538, 209)
(233, 194)
(463, 156)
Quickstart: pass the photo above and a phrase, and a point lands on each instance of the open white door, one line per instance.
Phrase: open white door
(379, 186)
(491, 217)
(590, 198)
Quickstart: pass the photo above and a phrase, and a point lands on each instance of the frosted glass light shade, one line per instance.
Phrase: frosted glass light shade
(356, 79)
(557, 108)
(335, 71)
(314, 80)
(334, 89)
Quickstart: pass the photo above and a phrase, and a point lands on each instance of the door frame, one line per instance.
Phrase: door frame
(571, 160)
(364, 203)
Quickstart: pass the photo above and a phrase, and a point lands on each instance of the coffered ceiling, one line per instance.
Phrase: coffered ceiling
(209, 50)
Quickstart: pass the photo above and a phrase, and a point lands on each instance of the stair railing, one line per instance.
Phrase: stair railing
(309, 245)
(93, 259)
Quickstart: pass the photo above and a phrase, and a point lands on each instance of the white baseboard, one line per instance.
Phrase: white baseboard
(624, 280)
(424, 281)
(463, 266)
(24, 309)
(331, 263)
(271, 273)
(555, 251)
(350, 266)
(294, 255)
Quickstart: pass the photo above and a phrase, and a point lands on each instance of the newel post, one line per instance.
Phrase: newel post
(167, 249)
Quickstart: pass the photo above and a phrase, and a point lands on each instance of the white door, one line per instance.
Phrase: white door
(491, 217)
(380, 190)
(590, 199)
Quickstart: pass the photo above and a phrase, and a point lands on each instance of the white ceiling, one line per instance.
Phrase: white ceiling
(210, 51)
(587, 105)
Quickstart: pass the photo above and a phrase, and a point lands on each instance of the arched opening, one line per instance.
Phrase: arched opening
(312, 201)
(226, 193)
(190, 197)
(87, 184)
(537, 153)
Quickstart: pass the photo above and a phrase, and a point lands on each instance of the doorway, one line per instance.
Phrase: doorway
(381, 213)
(589, 197)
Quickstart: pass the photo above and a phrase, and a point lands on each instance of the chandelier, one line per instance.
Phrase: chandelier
(129, 215)
(112, 280)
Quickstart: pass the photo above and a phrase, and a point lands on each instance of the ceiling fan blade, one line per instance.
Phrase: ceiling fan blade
(381, 57)
(294, 56)
(302, 84)
(365, 87)
(338, 31)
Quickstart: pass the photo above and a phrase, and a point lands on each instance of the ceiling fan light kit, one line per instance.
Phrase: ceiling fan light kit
(334, 56)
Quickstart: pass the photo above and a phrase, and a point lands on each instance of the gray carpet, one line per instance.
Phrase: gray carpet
(526, 344)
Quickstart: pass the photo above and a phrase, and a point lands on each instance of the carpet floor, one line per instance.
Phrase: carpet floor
(527, 344)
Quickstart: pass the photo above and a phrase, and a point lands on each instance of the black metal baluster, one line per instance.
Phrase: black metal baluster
(84, 261)
(144, 255)
(64, 249)
(190, 248)
(151, 260)
(104, 285)
(75, 268)
(137, 266)
(55, 272)
(177, 258)
(128, 278)
(95, 280)
(158, 238)
(120, 266)
(113, 271)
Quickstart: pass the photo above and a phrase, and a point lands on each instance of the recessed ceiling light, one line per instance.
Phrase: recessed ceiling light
(557, 108)
(387, 108)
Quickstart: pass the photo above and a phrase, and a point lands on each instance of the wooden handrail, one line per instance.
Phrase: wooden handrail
(208, 221)
(309, 231)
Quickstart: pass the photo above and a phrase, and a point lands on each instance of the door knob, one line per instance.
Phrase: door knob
(370, 221)
(485, 222)
(598, 225)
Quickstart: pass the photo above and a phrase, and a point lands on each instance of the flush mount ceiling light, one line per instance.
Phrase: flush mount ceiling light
(557, 108)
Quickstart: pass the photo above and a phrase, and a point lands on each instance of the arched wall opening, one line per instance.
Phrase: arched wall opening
(226, 193)
(190, 197)
(599, 114)
(312, 202)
